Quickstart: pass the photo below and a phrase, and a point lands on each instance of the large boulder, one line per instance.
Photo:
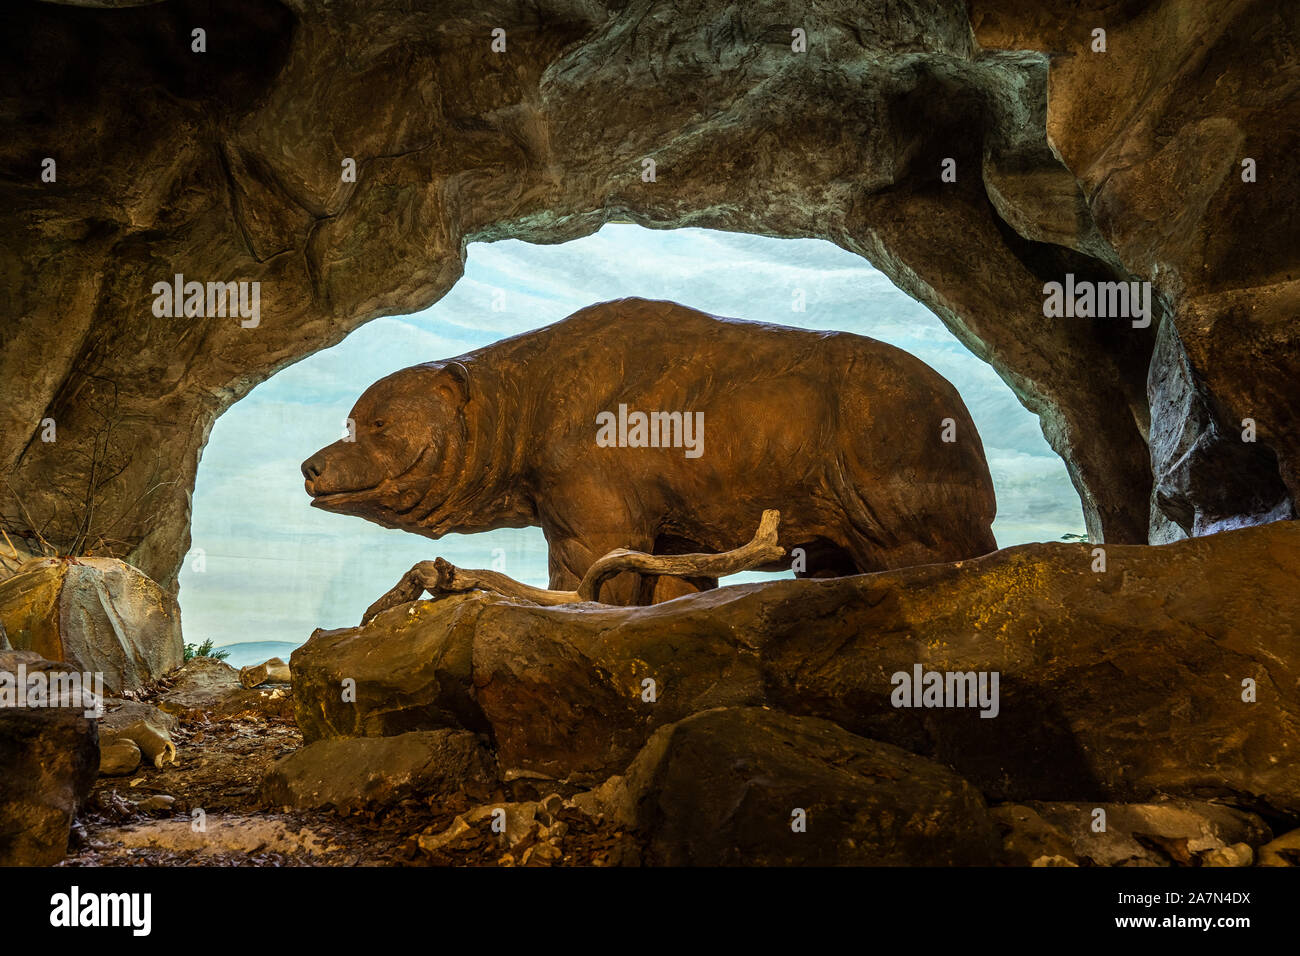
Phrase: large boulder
(49, 758)
(99, 615)
(354, 772)
(748, 786)
(1171, 671)
(407, 669)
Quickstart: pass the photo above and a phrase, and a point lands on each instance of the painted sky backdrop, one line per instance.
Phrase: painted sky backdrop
(273, 568)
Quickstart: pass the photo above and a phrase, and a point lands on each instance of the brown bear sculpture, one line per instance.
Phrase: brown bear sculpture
(652, 426)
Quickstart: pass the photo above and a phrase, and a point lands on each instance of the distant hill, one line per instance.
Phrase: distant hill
(254, 652)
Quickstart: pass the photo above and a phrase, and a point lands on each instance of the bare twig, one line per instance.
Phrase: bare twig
(49, 549)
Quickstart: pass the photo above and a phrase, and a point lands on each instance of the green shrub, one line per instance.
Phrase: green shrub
(204, 650)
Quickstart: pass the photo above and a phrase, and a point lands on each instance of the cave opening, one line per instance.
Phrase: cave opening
(264, 568)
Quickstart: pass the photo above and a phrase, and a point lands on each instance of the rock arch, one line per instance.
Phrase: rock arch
(226, 166)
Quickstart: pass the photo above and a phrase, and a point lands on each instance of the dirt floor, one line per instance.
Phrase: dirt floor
(216, 817)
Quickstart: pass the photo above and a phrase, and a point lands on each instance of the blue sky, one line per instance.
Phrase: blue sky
(273, 568)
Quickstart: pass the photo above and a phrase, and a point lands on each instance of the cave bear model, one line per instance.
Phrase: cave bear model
(648, 425)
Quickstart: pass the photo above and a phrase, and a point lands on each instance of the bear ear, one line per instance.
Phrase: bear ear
(459, 375)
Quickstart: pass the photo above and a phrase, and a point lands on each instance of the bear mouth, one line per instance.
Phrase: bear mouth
(340, 500)
(335, 499)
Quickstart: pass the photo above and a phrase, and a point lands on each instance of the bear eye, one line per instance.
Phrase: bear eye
(379, 423)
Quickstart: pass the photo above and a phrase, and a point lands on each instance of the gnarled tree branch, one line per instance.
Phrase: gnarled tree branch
(440, 577)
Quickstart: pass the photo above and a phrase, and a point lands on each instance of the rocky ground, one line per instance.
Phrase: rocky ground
(1146, 717)
(210, 808)
(151, 817)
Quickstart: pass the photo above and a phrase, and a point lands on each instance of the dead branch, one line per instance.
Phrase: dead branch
(47, 549)
(440, 577)
(8, 542)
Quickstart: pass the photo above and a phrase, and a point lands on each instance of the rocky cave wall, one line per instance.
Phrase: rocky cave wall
(225, 165)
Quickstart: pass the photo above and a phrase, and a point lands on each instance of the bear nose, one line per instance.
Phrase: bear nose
(311, 468)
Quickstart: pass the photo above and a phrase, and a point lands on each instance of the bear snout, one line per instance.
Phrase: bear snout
(312, 467)
(338, 469)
